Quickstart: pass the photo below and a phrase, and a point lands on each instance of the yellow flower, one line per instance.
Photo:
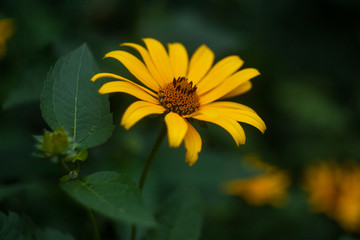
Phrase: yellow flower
(268, 188)
(182, 90)
(334, 189)
(348, 205)
(320, 182)
(6, 31)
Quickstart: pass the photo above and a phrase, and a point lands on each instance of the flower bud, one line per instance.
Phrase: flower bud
(55, 143)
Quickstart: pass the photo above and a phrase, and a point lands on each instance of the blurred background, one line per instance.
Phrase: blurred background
(308, 95)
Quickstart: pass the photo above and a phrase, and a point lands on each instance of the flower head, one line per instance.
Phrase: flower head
(182, 90)
(334, 189)
(267, 188)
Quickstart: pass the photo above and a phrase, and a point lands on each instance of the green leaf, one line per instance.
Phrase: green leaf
(81, 156)
(16, 227)
(180, 217)
(112, 194)
(70, 100)
(52, 234)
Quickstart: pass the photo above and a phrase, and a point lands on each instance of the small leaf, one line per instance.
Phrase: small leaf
(112, 194)
(81, 156)
(70, 100)
(180, 217)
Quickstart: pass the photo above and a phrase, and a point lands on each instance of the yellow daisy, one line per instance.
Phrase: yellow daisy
(182, 90)
(267, 188)
(334, 189)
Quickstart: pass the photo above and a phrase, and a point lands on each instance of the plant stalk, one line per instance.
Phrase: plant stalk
(145, 171)
(151, 156)
(96, 234)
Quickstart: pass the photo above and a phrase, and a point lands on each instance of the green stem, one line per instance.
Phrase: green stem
(65, 166)
(151, 156)
(133, 232)
(145, 171)
(93, 224)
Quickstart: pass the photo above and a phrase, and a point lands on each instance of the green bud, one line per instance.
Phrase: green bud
(55, 143)
(58, 147)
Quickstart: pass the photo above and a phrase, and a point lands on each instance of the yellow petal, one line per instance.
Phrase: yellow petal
(136, 67)
(138, 110)
(111, 75)
(246, 117)
(222, 70)
(238, 114)
(232, 105)
(231, 126)
(200, 63)
(193, 144)
(231, 83)
(243, 88)
(126, 87)
(269, 188)
(160, 59)
(149, 63)
(176, 128)
(179, 59)
(208, 112)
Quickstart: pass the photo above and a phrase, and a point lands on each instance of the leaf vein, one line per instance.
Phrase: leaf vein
(76, 93)
(99, 196)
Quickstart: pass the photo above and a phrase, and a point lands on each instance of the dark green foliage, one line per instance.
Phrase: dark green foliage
(308, 95)
(16, 227)
(112, 194)
(180, 217)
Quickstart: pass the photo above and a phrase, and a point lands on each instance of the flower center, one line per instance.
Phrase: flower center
(179, 97)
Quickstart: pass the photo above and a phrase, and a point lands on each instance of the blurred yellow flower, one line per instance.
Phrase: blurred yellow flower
(334, 189)
(6, 31)
(268, 188)
(183, 90)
